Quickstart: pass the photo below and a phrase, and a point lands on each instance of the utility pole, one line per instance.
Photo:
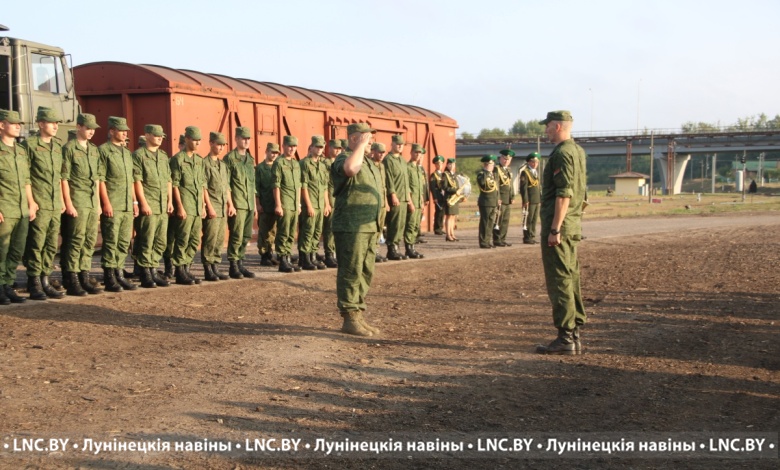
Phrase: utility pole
(652, 157)
(714, 173)
(744, 170)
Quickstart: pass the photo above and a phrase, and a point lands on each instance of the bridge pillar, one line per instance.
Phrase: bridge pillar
(680, 164)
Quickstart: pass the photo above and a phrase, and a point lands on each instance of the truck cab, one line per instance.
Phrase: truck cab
(32, 75)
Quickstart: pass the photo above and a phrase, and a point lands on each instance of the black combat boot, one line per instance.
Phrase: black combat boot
(13, 296)
(169, 270)
(35, 289)
(244, 271)
(181, 276)
(285, 266)
(222, 276)
(235, 272)
(317, 262)
(74, 286)
(161, 281)
(265, 259)
(306, 263)
(89, 287)
(110, 281)
(119, 275)
(209, 274)
(330, 260)
(577, 342)
(51, 291)
(393, 254)
(410, 252)
(187, 269)
(147, 278)
(3, 299)
(563, 344)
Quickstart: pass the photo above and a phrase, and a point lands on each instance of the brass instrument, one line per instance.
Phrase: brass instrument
(525, 218)
(496, 227)
(463, 192)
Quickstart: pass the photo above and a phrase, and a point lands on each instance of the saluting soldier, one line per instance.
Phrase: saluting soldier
(487, 201)
(188, 184)
(119, 206)
(506, 196)
(241, 168)
(219, 206)
(436, 186)
(451, 211)
(417, 191)
(531, 192)
(80, 191)
(45, 159)
(153, 191)
(17, 205)
(356, 224)
(314, 196)
(287, 201)
(378, 152)
(266, 218)
(334, 149)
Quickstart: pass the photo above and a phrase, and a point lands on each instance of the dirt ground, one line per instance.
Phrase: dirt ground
(682, 338)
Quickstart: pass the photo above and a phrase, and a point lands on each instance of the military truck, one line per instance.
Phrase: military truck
(32, 75)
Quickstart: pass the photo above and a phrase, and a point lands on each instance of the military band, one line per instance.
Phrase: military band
(506, 196)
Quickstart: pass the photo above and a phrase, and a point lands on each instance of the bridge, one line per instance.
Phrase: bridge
(671, 148)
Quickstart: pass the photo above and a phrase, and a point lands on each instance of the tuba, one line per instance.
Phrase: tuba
(464, 191)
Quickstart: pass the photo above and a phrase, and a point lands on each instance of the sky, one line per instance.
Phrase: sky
(616, 65)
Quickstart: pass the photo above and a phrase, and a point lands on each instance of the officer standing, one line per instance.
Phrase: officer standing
(188, 183)
(266, 218)
(561, 211)
(435, 185)
(506, 190)
(378, 152)
(334, 149)
(417, 191)
(241, 168)
(287, 201)
(397, 186)
(531, 192)
(487, 201)
(451, 211)
(17, 206)
(356, 224)
(153, 191)
(219, 206)
(315, 202)
(118, 206)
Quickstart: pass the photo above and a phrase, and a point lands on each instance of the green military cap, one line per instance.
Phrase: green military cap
(450, 160)
(243, 132)
(557, 116)
(154, 129)
(217, 138)
(11, 116)
(488, 158)
(438, 158)
(360, 127)
(378, 147)
(417, 148)
(532, 155)
(335, 144)
(141, 141)
(344, 143)
(318, 141)
(398, 139)
(192, 132)
(72, 134)
(118, 123)
(507, 153)
(45, 114)
(272, 147)
(290, 140)
(87, 120)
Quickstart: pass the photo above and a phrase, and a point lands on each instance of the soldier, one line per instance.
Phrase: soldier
(188, 184)
(153, 191)
(241, 168)
(378, 153)
(314, 187)
(219, 206)
(435, 185)
(488, 201)
(80, 191)
(287, 202)
(398, 196)
(118, 205)
(334, 149)
(171, 233)
(356, 223)
(17, 205)
(417, 191)
(450, 188)
(531, 192)
(502, 173)
(45, 159)
(266, 218)
(561, 212)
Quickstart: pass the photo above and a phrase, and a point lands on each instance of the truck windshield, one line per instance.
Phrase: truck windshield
(48, 75)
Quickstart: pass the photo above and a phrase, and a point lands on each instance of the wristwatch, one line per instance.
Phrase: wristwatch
(555, 232)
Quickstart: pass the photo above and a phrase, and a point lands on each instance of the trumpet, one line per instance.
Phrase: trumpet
(496, 227)
(525, 218)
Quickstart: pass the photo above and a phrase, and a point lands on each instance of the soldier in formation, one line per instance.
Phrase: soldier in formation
(506, 196)
(530, 191)
(487, 201)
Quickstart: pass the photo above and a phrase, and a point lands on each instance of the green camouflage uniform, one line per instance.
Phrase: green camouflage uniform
(564, 176)
(154, 172)
(266, 221)
(488, 204)
(242, 189)
(383, 194)
(115, 170)
(79, 234)
(188, 175)
(14, 176)
(327, 222)
(287, 177)
(314, 177)
(45, 177)
(397, 182)
(506, 191)
(417, 188)
(216, 179)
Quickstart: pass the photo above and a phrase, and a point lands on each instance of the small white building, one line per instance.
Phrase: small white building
(629, 183)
